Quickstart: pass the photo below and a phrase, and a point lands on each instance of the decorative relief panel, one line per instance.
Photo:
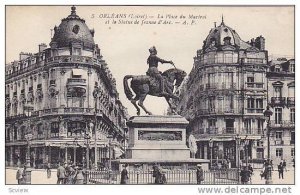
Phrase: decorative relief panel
(160, 135)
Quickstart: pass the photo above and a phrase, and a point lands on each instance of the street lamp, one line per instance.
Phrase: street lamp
(210, 144)
(109, 137)
(28, 138)
(75, 144)
(268, 113)
(238, 142)
(95, 94)
(87, 138)
(246, 143)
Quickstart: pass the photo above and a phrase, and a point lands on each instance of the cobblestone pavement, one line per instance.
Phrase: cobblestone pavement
(287, 175)
(40, 177)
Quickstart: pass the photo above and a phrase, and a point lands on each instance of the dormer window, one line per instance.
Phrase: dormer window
(227, 41)
(76, 51)
(212, 42)
(292, 67)
(277, 69)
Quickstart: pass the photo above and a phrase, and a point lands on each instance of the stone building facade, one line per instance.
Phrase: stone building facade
(65, 97)
(281, 98)
(225, 96)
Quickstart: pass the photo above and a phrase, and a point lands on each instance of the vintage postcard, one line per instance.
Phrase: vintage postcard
(195, 95)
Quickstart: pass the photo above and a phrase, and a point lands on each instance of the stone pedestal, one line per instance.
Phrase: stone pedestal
(159, 139)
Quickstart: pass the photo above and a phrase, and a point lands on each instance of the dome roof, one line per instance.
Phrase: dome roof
(73, 30)
(224, 35)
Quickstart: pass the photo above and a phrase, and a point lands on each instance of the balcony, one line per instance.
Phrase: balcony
(212, 130)
(257, 85)
(278, 101)
(16, 117)
(246, 131)
(55, 60)
(76, 82)
(228, 85)
(279, 142)
(229, 130)
(211, 86)
(219, 111)
(254, 110)
(291, 102)
(282, 124)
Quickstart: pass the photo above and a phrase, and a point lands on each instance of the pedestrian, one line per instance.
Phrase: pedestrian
(69, 174)
(48, 169)
(250, 169)
(19, 175)
(155, 174)
(61, 174)
(271, 163)
(284, 165)
(245, 175)
(200, 174)
(124, 175)
(163, 178)
(79, 176)
(280, 170)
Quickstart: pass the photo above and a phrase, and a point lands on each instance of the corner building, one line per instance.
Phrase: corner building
(66, 98)
(281, 98)
(225, 96)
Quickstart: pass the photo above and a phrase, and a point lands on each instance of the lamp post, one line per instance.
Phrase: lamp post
(268, 113)
(75, 144)
(109, 137)
(246, 142)
(238, 142)
(28, 138)
(87, 138)
(95, 94)
(210, 144)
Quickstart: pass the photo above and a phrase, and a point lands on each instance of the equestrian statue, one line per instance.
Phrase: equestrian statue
(154, 83)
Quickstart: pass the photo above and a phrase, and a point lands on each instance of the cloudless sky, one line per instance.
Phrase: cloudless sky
(125, 47)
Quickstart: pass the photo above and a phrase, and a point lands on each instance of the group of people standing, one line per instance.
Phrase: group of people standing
(70, 174)
(282, 166)
(21, 174)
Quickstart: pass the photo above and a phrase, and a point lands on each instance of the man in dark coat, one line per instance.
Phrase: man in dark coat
(200, 174)
(124, 175)
(245, 175)
(61, 174)
(284, 165)
(280, 170)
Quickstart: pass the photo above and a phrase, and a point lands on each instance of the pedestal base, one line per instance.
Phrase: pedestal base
(159, 140)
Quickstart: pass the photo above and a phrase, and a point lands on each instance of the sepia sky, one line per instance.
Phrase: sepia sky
(125, 46)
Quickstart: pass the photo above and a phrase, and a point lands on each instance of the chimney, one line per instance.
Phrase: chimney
(24, 55)
(260, 43)
(42, 47)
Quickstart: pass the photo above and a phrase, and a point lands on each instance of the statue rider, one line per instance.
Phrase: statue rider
(153, 64)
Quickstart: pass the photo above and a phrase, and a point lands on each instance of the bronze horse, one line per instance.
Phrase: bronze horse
(143, 85)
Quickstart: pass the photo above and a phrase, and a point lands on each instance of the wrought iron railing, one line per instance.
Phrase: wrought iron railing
(229, 130)
(290, 101)
(278, 101)
(226, 176)
(282, 123)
